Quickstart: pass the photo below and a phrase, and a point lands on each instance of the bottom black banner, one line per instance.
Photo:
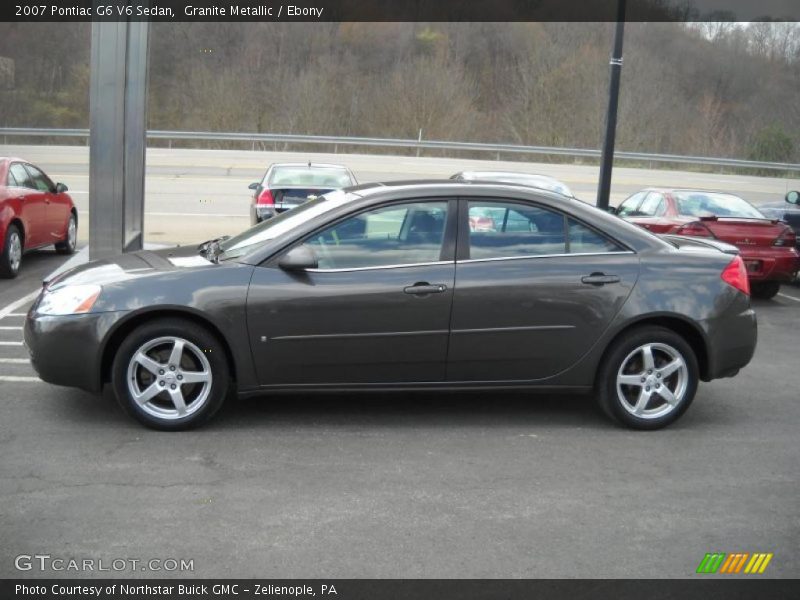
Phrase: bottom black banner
(386, 589)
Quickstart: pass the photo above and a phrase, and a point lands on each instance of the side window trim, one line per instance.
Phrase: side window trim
(446, 255)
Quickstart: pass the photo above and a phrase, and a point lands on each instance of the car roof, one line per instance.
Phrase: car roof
(450, 186)
(309, 165)
(667, 190)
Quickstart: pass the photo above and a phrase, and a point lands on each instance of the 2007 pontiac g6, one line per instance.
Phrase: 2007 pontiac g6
(394, 287)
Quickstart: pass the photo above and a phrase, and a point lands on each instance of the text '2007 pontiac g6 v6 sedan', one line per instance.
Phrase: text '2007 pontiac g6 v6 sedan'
(387, 287)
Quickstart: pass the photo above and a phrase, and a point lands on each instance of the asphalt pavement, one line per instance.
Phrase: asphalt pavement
(402, 485)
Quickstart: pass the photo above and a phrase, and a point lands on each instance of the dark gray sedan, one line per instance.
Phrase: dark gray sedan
(390, 287)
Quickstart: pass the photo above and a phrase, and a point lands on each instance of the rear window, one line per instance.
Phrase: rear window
(309, 176)
(705, 204)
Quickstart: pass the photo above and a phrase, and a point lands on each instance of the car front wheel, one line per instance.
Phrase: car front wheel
(171, 374)
(11, 254)
(68, 244)
(648, 378)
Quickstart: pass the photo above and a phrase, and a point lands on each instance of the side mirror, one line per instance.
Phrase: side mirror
(61, 188)
(253, 186)
(299, 258)
(793, 197)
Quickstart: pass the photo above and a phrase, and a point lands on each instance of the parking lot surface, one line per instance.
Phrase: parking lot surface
(404, 485)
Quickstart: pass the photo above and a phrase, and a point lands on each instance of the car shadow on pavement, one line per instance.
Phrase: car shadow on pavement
(412, 409)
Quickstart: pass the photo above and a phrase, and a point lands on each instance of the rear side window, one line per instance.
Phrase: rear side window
(510, 229)
(20, 175)
(505, 229)
(584, 240)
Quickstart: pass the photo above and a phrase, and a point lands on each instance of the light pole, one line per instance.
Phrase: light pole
(607, 158)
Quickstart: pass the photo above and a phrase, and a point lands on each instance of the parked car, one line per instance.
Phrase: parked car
(384, 288)
(34, 213)
(287, 185)
(768, 246)
(542, 182)
(787, 211)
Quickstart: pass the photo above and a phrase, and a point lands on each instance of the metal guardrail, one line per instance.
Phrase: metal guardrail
(417, 144)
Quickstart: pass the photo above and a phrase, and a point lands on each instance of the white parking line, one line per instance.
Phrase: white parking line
(17, 328)
(16, 315)
(788, 297)
(9, 310)
(19, 379)
(10, 343)
(14, 361)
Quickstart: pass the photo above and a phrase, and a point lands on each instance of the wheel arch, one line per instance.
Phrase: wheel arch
(116, 336)
(689, 331)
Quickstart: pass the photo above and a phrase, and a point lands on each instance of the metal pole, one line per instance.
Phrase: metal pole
(118, 97)
(607, 158)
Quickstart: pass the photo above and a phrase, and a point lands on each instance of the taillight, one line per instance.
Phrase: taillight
(735, 275)
(787, 238)
(696, 229)
(265, 197)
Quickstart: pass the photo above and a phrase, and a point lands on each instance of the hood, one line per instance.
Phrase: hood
(134, 265)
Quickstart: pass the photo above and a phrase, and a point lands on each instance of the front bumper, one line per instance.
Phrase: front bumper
(67, 350)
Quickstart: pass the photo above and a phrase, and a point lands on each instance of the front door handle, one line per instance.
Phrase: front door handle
(423, 288)
(599, 279)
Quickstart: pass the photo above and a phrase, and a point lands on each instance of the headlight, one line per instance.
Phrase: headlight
(69, 300)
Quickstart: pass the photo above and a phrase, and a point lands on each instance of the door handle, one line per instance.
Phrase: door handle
(599, 279)
(422, 288)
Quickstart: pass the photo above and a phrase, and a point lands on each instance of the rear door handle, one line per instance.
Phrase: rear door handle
(599, 279)
(420, 289)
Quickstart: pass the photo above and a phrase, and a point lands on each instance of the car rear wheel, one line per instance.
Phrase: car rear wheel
(648, 378)
(11, 257)
(67, 245)
(171, 375)
(765, 290)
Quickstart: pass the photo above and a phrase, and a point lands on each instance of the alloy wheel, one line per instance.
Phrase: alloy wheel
(652, 381)
(169, 378)
(14, 251)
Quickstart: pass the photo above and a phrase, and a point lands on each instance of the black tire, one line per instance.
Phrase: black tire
(8, 267)
(623, 350)
(764, 290)
(203, 341)
(67, 245)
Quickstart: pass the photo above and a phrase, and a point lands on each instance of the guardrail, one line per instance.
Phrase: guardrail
(418, 144)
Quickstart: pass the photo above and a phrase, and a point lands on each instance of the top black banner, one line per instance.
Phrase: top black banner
(398, 10)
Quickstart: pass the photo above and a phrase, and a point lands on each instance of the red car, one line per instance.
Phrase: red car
(766, 245)
(34, 212)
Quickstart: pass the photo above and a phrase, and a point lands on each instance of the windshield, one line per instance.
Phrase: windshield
(705, 204)
(282, 224)
(321, 177)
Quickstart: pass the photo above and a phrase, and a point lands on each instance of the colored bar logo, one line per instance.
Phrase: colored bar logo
(738, 562)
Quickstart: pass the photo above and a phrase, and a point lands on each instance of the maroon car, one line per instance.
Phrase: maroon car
(34, 212)
(766, 245)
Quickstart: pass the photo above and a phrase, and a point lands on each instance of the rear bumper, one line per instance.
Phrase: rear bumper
(779, 264)
(732, 341)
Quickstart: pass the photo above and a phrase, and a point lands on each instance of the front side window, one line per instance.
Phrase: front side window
(630, 206)
(41, 181)
(653, 206)
(400, 234)
(21, 177)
